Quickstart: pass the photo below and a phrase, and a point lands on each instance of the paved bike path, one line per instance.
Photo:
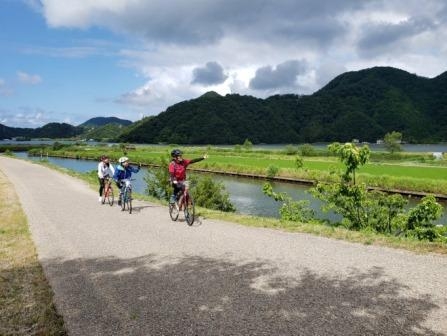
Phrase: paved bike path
(115, 273)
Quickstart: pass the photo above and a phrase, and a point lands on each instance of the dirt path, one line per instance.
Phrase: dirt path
(141, 274)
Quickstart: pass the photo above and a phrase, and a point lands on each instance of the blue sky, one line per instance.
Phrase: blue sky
(71, 60)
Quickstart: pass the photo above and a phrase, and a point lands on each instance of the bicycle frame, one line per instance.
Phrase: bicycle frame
(185, 203)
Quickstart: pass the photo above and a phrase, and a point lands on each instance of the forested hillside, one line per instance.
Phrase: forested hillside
(362, 104)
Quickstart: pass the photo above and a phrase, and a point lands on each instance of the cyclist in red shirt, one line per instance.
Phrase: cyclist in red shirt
(177, 171)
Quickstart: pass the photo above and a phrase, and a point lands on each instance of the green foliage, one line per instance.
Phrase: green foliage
(8, 152)
(352, 157)
(210, 194)
(272, 171)
(295, 211)
(299, 163)
(307, 150)
(291, 150)
(157, 180)
(392, 142)
(247, 145)
(420, 219)
(57, 145)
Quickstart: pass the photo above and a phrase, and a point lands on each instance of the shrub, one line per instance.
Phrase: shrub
(291, 150)
(296, 211)
(272, 171)
(307, 150)
(210, 194)
(157, 180)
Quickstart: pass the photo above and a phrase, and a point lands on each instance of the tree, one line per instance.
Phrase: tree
(393, 141)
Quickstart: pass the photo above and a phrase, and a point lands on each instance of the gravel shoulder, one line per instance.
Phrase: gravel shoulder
(142, 274)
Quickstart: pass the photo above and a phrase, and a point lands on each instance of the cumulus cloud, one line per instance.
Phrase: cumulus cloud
(205, 22)
(284, 75)
(212, 73)
(26, 117)
(320, 39)
(26, 78)
(384, 36)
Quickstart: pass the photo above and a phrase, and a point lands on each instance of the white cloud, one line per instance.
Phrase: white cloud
(25, 117)
(26, 78)
(177, 38)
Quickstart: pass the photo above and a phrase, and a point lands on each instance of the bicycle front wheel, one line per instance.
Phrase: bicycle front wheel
(123, 200)
(129, 201)
(189, 210)
(110, 196)
(173, 211)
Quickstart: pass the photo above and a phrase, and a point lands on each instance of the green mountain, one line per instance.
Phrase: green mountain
(102, 121)
(362, 105)
(96, 128)
(107, 132)
(51, 130)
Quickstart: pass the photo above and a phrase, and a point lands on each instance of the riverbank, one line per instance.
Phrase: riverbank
(26, 299)
(366, 237)
(241, 172)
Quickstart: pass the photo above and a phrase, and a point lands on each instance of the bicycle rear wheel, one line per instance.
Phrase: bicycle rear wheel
(173, 211)
(189, 210)
(110, 196)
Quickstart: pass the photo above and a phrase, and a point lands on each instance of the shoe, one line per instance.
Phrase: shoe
(119, 202)
(100, 199)
(172, 200)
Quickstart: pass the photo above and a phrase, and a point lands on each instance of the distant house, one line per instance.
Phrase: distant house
(379, 141)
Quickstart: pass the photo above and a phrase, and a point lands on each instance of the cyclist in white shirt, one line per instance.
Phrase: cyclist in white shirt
(105, 170)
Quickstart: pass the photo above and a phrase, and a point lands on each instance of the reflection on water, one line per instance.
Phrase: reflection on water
(245, 194)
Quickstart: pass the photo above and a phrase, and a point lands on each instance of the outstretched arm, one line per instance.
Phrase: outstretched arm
(198, 159)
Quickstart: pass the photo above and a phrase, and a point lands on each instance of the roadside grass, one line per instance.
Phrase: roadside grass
(315, 228)
(26, 299)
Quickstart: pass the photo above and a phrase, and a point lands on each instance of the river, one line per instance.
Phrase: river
(245, 193)
(416, 148)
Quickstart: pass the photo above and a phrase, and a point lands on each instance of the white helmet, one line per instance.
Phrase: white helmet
(123, 159)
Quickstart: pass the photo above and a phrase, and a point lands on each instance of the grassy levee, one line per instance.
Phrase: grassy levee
(406, 171)
(26, 306)
(316, 228)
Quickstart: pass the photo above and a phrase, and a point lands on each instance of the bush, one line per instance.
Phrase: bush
(272, 171)
(8, 152)
(291, 150)
(210, 194)
(157, 180)
(307, 150)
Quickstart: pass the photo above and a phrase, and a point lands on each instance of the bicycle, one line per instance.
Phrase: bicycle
(108, 192)
(126, 195)
(185, 202)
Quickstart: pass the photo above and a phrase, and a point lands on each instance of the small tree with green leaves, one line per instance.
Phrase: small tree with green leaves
(346, 197)
(392, 142)
(247, 145)
(295, 211)
(299, 163)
